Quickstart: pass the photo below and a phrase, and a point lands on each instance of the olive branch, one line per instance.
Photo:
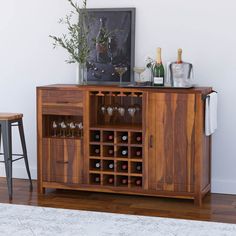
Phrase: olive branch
(75, 41)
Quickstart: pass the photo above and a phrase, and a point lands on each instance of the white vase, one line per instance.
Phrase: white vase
(81, 73)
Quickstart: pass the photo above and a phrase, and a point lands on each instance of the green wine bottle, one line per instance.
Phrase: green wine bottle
(158, 70)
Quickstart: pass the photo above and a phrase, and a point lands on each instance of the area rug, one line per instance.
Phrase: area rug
(29, 220)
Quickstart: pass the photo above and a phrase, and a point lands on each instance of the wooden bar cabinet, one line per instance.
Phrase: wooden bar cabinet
(142, 141)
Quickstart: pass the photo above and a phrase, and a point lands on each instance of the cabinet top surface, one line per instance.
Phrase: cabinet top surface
(201, 90)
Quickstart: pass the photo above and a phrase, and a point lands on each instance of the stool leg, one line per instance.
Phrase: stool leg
(22, 137)
(0, 136)
(7, 146)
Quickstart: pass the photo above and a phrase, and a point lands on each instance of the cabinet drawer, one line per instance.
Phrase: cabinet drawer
(62, 160)
(62, 97)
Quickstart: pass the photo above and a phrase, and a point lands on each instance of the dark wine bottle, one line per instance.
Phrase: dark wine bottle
(124, 152)
(124, 180)
(138, 153)
(111, 151)
(158, 70)
(97, 136)
(124, 138)
(110, 137)
(124, 166)
(138, 138)
(97, 164)
(139, 167)
(111, 166)
(97, 179)
(138, 182)
(111, 180)
(97, 150)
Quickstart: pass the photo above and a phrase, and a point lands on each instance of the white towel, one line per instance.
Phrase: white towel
(211, 114)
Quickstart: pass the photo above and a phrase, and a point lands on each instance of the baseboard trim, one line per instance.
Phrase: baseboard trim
(223, 186)
(19, 172)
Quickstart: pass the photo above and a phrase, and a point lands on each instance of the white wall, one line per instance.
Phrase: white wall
(204, 29)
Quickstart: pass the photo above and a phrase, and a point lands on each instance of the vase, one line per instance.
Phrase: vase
(81, 74)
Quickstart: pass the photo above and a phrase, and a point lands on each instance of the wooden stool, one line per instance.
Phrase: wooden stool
(7, 120)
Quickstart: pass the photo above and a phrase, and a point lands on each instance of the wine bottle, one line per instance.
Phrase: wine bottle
(124, 152)
(124, 138)
(110, 151)
(124, 166)
(158, 70)
(138, 182)
(138, 138)
(139, 167)
(124, 180)
(97, 136)
(97, 151)
(138, 153)
(111, 180)
(110, 137)
(97, 165)
(97, 179)
(181, 73)
(111, 166)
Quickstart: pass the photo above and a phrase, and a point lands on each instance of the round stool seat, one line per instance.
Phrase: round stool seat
(10, 116)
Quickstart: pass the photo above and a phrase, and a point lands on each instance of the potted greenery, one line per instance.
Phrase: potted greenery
(75, 41)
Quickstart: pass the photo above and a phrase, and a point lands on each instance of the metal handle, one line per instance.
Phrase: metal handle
(151, 141)
(62, 162)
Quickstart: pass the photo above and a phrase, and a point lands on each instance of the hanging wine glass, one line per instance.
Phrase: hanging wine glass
(110, 110)
(121, 71)
(72, 129)
(63, 128)
(54, 126)
(131, 111)
(80, 128)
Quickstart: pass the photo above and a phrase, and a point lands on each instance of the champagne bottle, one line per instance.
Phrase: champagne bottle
(179, 57)
(158, 70)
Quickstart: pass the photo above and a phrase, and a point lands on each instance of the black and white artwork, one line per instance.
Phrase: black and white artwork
(111, 43)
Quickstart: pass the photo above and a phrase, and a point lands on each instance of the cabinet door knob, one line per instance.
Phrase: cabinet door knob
(151, 141)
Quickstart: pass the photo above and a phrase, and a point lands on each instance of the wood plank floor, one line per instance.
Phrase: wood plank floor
(216, 207)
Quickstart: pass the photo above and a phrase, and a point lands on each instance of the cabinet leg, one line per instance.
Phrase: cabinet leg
(198, 201)
(41, 190)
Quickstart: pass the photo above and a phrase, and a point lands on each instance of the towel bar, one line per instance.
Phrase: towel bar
(204, 97)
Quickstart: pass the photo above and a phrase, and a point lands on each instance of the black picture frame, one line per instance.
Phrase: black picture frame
(119, 47)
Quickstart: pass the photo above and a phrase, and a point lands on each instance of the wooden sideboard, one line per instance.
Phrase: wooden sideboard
(134, 141)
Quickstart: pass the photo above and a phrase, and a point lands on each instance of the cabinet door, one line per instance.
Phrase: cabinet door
(170, 125)
(62, 161)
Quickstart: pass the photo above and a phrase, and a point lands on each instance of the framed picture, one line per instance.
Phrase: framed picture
(111, 39)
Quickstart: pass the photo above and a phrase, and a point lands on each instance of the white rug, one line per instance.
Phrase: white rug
(29, 220)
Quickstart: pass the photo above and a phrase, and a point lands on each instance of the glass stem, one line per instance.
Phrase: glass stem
(120, 79)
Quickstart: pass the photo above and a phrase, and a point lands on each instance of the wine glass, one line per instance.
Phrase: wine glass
(54, 126)
(131, 111)
(139, 71)
(121, 71)
(63, 127)
(72, 129)
(80, 128)
(110, 110)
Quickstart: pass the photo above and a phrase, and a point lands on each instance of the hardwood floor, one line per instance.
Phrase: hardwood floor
(216, 207)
